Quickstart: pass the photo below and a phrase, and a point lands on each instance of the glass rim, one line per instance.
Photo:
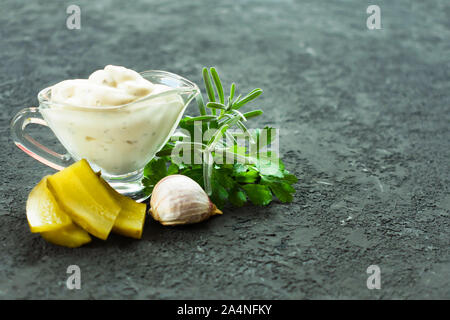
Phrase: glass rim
(43, 95)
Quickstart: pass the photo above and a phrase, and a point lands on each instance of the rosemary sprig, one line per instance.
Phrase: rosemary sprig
(228, 111)
(230, 108)
(249, 178)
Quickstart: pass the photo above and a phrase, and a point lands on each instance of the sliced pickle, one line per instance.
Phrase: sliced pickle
(43, 211)
(130, 221)
(131, 218)
(71, 236)
(85, 198)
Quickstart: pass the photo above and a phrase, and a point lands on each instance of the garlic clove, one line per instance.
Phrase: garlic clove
(177, 199)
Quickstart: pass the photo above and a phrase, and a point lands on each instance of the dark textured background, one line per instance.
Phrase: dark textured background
(364, 118)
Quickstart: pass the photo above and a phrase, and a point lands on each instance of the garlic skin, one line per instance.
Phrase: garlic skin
(178, 199)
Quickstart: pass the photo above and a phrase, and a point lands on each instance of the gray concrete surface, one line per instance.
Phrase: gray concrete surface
(364, 118)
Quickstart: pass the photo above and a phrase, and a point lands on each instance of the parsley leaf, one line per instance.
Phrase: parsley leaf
(237, 197)
(258, 194)
(281, 189)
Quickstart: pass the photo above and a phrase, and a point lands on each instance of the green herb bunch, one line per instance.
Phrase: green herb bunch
(255, 176)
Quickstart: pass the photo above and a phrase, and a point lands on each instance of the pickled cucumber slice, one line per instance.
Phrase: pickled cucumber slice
(131, 218)
(85, 198)
(130, 221)
(70, 236)
(43, 211)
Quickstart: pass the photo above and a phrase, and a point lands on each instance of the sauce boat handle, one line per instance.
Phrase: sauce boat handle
(30, 146)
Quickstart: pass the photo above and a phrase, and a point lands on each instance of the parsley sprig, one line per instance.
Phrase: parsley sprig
(252, 177)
